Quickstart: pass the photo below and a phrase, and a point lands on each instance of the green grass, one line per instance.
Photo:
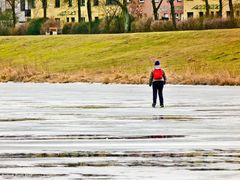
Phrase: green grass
(199, 52)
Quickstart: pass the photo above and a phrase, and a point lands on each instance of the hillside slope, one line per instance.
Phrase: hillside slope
(188, 57)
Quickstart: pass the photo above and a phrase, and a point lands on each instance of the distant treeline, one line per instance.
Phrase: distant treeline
(41, 26)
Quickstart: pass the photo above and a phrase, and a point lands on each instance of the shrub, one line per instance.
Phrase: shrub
(95, 27)
(35, 25)
(6, 18)
(21, 29)
(207, 23)
(141, 25)
(219, 23)
(49, 23)
(104, 26)
(238, 22)
(6, 23)
(191, 24)
(80, 28)
(117, 25)
(67, 28)
(111, 25)
(4, 30)
(162, 26)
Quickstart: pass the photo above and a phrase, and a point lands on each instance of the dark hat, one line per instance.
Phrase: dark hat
(157, 63)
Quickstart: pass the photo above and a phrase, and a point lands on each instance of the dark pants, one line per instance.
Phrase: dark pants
(158, 88)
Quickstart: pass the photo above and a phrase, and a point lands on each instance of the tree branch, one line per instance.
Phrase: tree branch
(160, 3)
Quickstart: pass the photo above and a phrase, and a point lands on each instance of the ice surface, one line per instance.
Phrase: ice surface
(95, 131)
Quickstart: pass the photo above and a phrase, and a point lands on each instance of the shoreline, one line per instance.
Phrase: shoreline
(112, 84)
(114, 78)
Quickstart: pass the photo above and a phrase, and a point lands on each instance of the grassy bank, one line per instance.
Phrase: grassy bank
(188, 57)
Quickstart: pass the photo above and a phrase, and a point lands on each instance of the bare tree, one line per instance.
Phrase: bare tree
(156, 8)
(231, 9)
(173, 14)
(135, 9)
(236, 7)
(13, 4)
(44, 6)
(110, 13)
(123, 4)
(207, 8)
(220, 8)
(89, 12)
(79, 3)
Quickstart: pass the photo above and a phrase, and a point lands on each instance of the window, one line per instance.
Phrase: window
(57, 20)
(57, 3)
(96, 2)
(237, 13)
(110, 2)
(228, 13)
(96, 18)
(83, 3)
(28, 13)
(67, 19)
(212, 14)
(201, 14)
(22, 5)
(73, 19)
(165, 16)
(189, 14)
(69, 3)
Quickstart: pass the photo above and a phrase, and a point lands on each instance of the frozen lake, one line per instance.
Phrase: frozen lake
(94, 131)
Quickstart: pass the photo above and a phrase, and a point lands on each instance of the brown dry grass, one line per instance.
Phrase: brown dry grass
(30, 74)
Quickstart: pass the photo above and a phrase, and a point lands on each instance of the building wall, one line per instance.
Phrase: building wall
(183, 8)
(197, 8)
(69, 14)
(165, 10)
(65, 13)
(19, 14)
(2, 5)
(147, 8)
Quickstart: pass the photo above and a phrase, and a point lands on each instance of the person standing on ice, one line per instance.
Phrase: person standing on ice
(157, 80)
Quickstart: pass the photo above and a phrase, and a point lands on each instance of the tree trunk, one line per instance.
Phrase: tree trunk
(207, 8)
(79, 10)
(173, 14)
(155, 10)
(126, 17)
(231, 10)
(220, 8)
(45, 9)
(13, 13)
(89, 11)
(125, 13)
